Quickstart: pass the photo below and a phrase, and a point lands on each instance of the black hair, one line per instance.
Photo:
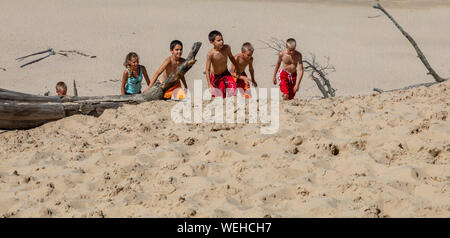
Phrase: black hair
(174, 43)
(212, 35)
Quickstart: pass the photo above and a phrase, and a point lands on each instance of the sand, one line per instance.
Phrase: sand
(360, 154)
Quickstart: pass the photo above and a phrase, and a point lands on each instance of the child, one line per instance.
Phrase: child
(287, 75)
(169, 66)
(132, 76)
(243, 59)
(61, 88)
(219, 79)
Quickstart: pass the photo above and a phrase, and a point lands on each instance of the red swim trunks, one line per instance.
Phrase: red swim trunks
(221, 83)
(287, 83)
(242, 87)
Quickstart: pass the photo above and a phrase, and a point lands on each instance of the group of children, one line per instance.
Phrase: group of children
(221, 81)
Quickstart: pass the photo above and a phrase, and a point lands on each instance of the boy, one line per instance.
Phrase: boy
(219, 79)
(61, 88)
(168, 67)
(288, 72)
(243, 59)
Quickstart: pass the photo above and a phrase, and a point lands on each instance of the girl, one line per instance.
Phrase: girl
(132, 76)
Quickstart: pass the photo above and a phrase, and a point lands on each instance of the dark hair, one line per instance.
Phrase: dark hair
(175, 43)
(212, 35)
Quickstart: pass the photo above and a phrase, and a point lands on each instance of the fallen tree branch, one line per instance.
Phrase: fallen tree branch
(414, 44)
(23, 111)
(51, 52)
(409, 87)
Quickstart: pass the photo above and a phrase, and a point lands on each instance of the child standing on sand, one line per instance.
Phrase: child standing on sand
(243, 59)
(219, 79)
(132, 76)
(168, 67)
(287, 75)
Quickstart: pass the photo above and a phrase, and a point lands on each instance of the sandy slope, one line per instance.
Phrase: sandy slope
(359, 156)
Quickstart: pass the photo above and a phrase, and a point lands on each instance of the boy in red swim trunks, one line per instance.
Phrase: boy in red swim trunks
(287, 74)
(219, 79)
(243, 59)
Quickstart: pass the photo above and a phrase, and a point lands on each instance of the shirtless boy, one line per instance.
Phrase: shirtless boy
(287, 74)
(169, 66)
(244, 59)
(219, 79)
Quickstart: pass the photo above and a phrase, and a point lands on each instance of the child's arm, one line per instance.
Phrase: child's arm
(233, 61)
(124, 81)
(280, 56)
(183, 80)
(233, 69)
(144, 72)
(252, 72)
(157, 74)
(300, 72)
(208, 69)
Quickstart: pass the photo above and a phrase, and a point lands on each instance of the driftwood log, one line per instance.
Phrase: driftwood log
(431, 71)
(23, 111)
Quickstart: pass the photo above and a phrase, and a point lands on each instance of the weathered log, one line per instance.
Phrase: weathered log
(33, 110)
(24, 97)
(414, 44)
(10, 110)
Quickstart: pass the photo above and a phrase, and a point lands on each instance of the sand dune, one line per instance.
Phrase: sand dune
(359, 156)
(356, 155)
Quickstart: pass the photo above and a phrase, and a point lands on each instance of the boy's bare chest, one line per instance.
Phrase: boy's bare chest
(218, 57)
(172, 66)
(287, 59)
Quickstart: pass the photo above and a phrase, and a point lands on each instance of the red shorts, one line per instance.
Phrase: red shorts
(242, 87)
(287, 83)
(224, 85)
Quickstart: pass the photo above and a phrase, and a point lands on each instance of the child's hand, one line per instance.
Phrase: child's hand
(245, 79)
(254, 83)
(274, 80)
(295, 88)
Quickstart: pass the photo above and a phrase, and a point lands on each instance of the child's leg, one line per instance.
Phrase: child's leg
(284, 88)
(229, 85)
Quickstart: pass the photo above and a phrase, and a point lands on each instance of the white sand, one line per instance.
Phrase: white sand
(394, 150)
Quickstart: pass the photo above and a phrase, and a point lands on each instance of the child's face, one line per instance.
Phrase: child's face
(218, 42)
(247, 54)
(61, 92)
(134, 62)
(290, 50)
(177, 51)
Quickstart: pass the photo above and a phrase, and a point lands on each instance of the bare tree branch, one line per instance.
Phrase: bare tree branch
(414, 44)
(409, 87)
